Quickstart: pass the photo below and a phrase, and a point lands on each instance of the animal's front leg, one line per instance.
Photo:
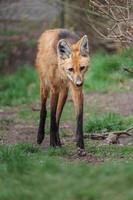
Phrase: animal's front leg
(61, 101)
(43, 113)
(77, 95)
(53, 124)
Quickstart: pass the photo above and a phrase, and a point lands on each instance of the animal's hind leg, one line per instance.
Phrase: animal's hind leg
(43, 113)
(53, 124)
(61, 101)
(77, 95)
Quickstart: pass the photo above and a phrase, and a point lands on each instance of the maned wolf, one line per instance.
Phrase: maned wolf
(62, 60)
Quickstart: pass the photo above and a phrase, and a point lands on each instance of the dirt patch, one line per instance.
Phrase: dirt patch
(89, 158)
(22, 133)
(14, 130)
(121, 103)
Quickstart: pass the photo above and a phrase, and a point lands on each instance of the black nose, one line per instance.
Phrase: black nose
(78, 81)
(79, 85)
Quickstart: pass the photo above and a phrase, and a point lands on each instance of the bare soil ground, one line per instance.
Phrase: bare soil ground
(14, 130)
(121, 103)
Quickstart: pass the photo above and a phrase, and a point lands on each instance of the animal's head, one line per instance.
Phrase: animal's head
(74, 59)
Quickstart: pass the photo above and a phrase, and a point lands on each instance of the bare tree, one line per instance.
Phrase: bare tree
(114, 20)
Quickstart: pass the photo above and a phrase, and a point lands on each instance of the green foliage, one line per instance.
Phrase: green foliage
(28, 171)
(18, 88)
(9, 32)
(106, 71)
(13, 159)
(107, 122)
(105, 74)
(110, 152)
(34, 175)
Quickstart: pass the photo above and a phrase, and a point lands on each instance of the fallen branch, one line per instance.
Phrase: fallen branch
(111, 137)
(129, 129)
(94, 136)
(128, 70)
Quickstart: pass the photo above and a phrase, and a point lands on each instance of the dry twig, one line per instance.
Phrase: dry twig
(112, 137)
(119, 22)
(128, 70)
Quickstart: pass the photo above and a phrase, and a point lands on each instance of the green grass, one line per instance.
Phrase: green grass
(27, 172)
(9, 32)
(106, 71)
(18, 88)
(108, 122)
(31, 172)
(106, 74)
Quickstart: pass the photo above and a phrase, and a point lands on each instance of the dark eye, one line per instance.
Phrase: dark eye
(82, 68)
(70, 69)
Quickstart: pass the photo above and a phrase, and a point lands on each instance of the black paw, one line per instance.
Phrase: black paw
(40, 138)
(58, 143)
(53, 144)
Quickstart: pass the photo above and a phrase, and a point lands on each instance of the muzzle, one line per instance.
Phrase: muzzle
(78, 82)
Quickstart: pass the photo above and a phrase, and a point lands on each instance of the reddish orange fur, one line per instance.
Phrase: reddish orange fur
(53, 77)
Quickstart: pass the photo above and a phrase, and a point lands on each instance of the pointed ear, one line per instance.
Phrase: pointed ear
(63, 49)
(84, 46)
